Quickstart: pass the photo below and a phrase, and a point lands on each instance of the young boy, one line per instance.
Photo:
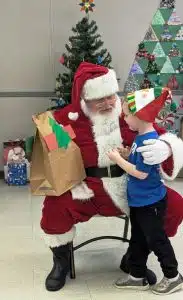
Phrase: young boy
(146, 195)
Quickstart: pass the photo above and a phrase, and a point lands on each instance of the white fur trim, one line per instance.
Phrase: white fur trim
(56, 240)
(176, 145)
(117, 190)
(82, 192)
(73, 116)
(101, 86)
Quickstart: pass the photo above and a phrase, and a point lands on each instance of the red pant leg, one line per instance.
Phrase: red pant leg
(61, 213)
(174, 215)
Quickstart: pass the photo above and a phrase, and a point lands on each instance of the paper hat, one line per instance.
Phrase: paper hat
(147, 103)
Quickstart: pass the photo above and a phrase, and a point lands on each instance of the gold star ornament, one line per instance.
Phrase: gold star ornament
(87, 5)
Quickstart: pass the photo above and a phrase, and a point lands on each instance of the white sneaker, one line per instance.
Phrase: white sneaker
(166, 287)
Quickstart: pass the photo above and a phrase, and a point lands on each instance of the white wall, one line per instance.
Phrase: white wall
(33, 35)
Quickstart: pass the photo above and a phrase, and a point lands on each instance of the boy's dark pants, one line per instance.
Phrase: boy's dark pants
(147, 234)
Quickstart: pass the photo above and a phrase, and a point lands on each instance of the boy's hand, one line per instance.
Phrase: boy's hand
(124, 152)
(114, 155)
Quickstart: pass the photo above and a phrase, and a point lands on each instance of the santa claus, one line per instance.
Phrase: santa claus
(95, 114)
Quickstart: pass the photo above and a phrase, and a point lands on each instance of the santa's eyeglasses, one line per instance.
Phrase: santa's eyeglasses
(102, 102)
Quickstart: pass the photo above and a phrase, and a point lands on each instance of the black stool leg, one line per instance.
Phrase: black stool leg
(72, 264)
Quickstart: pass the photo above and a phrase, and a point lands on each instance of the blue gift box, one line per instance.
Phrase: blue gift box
(17, 174)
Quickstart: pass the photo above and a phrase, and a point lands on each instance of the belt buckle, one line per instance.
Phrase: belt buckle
(109, 171)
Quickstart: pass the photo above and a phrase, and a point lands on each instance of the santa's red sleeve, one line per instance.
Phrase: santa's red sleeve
(172, 166)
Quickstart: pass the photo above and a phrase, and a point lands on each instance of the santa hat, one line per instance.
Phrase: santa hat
(147, 103)
(92, 82)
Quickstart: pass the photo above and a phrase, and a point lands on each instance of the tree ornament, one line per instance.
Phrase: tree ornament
(62, 59)
(173, 83)
(166, 36)
(158, 81)
(99, 59)
(174, 51)
(142, 52)
(146, 83)
(152, 67)
(87, 5)
(174, 19)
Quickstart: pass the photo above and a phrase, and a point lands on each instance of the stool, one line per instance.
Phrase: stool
(74, 248)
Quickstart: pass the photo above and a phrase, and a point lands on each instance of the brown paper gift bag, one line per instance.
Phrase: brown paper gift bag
(57, 171)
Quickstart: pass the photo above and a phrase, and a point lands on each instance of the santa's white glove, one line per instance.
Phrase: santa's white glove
(155, 151)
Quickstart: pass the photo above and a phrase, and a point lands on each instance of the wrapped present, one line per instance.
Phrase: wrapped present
(16, 174)
(14, 158)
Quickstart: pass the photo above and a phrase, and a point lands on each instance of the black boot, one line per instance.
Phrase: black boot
(57, 277)
(125, 267)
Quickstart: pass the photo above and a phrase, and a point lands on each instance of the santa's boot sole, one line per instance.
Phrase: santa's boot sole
(53, 285)
(55, 288)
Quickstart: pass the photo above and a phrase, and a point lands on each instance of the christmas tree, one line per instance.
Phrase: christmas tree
(152, 67)
(164, 41)
(174, 51)
(158, 60)
(84, 45)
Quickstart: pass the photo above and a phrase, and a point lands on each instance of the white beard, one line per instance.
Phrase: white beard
(107, 135)
(106, 131)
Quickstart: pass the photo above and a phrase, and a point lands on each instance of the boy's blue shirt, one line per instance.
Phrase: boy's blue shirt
(150, 190)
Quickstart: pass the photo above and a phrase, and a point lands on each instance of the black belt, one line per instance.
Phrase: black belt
(112, 171)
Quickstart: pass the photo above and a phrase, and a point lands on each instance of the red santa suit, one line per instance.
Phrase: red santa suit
(95, 135)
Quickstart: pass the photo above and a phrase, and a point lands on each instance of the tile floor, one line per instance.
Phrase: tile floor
(25, 260)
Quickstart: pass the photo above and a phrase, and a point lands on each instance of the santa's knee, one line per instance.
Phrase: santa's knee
(57, 223)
